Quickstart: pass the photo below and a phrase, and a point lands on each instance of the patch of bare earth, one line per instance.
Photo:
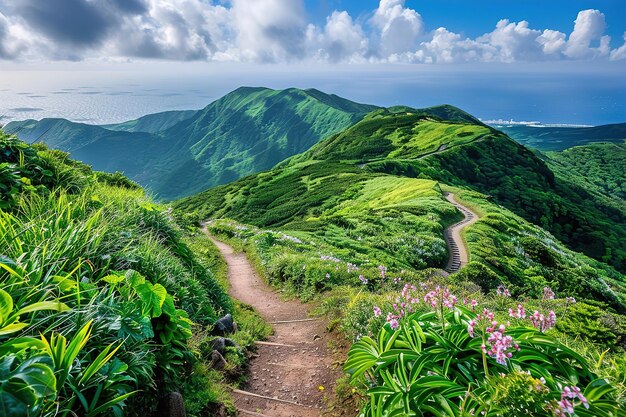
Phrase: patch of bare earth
(293, 370)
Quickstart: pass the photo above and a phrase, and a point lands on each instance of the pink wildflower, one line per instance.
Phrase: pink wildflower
(548, 294)
(518, 313)
(377, 311)
(542, 322)
(502, 291)
(383, 271)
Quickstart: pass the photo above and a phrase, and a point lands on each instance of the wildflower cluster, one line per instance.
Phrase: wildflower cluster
(403, 305)
(498, 345)
(383, 271)
(502, 291)
(548, 294)
(363, 280)
(565, 407)
(543, 322)
(518, 313)
(441, 296)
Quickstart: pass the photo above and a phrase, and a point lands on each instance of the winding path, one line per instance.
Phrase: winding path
(292, 371)
(457, 248)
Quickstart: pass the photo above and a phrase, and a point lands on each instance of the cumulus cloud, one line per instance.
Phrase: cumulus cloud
(341, 39)
(589, 27)
(275, 31)
(270, 30)
(619, 53)
(399, 27)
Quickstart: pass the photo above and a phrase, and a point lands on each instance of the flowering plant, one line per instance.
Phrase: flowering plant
(447, 361)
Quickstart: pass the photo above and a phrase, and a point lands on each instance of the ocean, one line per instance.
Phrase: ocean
(118, 92)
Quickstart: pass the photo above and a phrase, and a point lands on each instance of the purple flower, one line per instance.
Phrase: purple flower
(363, 279)
(383, 271)
(394, 324)
(377, 312)
(518, 313)
(542, 322)
(548, 294)
(502, 291)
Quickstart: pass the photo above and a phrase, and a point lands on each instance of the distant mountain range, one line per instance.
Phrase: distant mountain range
(558, 138)
(178, 153)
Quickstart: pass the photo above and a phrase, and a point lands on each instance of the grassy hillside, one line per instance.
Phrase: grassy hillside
(598, 167)
(370, 213)
(105, 301)
(175, 154)
(153, 123)
(360, 217)
(561, 138)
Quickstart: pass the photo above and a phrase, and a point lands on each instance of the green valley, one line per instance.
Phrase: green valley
(175, 154)
(360, 218)
(352, 218)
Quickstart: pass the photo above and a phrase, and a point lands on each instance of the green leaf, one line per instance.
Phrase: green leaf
(113, 279)
(12, 328)
(153, 297)
(43, 305)
(6, 306)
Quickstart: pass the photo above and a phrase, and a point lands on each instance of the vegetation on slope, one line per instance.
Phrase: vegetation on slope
(153, 123)
(361, 215)
(103, 303)
(598, 167)
(246, 131)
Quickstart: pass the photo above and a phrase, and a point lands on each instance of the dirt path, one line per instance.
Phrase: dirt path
(295, 364)
(459, 254)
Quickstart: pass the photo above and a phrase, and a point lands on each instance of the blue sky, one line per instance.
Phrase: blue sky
(326, 31)
(475, 17)
(552, 61)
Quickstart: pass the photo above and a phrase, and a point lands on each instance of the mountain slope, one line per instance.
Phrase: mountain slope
(177, 153)
(153, 123)
(373, 194)
(560, 138)
(252, 129)
(598, 167)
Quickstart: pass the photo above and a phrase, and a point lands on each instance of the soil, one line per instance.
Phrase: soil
(459, 254)
(294, 367)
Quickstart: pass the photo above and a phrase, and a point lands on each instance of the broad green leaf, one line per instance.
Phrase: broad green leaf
(6, 306)
(43, 305)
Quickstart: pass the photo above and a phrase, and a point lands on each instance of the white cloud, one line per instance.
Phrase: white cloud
(552, 41)
(399, 27)
(341, 39)
(278, 31)
(269, 30)
(513, 41)
(619, 53)
(589, 27)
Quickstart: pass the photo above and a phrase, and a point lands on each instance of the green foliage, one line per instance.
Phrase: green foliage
(175, 154)
(432, 366)
(598, 167)
(98, 295)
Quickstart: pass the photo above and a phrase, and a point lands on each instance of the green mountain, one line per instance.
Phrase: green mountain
(372, 194)
(548, 138)
(153, 123)
(598, 167)
(177, 153)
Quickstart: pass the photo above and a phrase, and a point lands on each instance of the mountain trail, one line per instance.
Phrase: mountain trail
(459, 253)
(292, 371)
